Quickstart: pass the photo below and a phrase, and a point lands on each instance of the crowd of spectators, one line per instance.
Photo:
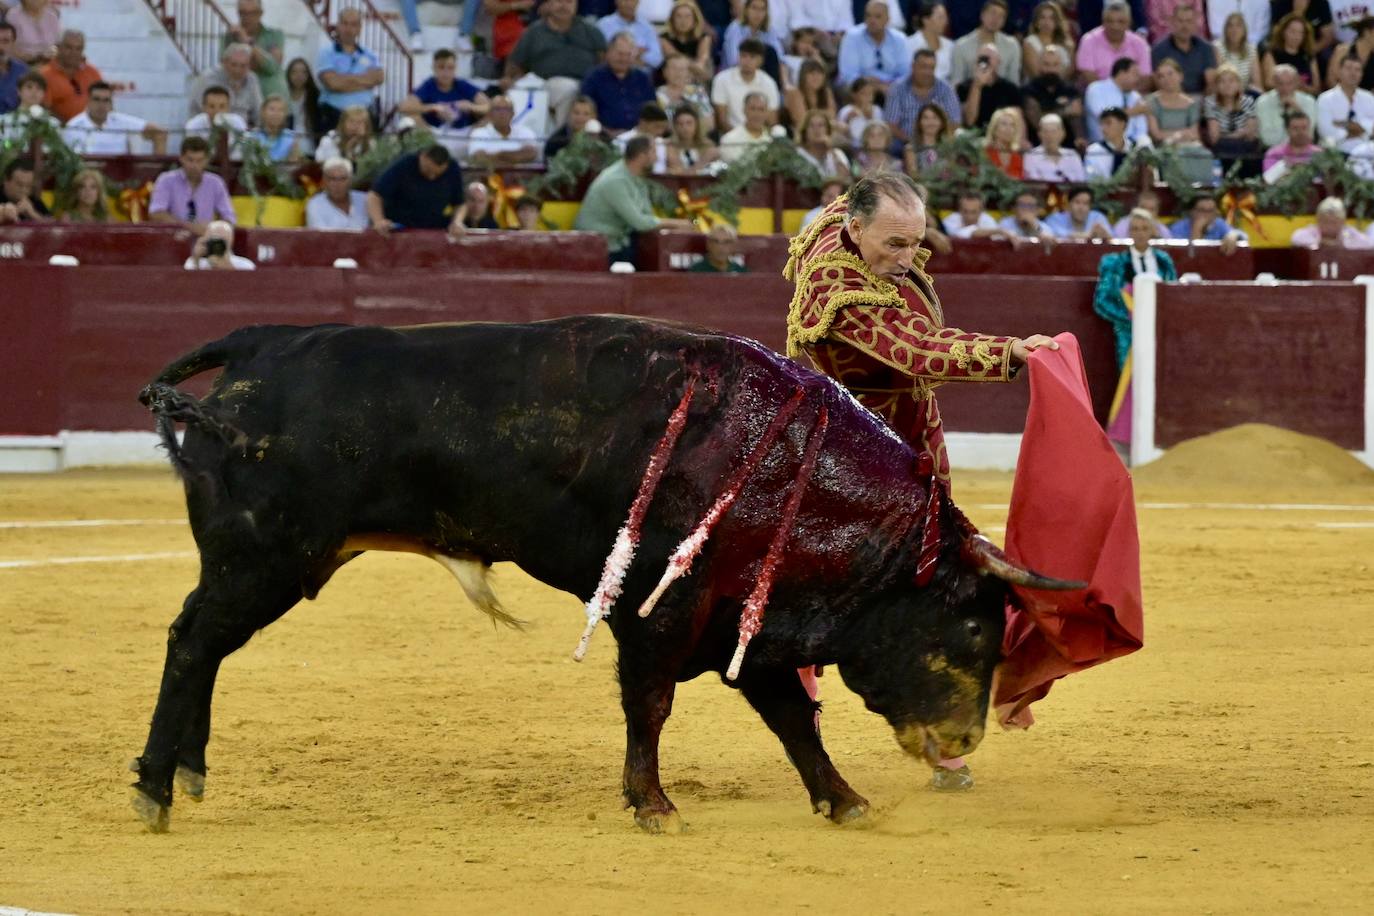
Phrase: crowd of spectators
(1057, 91)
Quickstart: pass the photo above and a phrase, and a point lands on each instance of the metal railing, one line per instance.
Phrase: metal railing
(382, 40)
(196, 27)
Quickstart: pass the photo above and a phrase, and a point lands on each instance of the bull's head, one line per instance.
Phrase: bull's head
(925, 655)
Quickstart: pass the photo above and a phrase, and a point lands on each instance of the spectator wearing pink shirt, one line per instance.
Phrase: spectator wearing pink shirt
(1298, 148)
(1158, 14)
(36, 30)
(1330, 230)
(1113, 39)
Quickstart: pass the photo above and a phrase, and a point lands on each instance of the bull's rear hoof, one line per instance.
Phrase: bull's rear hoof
(943, 780)
(191, 783)
(155, 816)
(664, 822)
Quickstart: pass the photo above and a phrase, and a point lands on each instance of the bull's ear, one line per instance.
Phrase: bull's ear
(981, 554)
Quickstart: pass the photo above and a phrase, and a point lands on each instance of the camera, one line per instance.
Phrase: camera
(215, 248)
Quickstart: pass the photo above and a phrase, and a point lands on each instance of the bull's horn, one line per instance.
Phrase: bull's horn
(983, 555)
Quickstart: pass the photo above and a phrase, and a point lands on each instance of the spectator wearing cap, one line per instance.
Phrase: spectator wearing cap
(102, 131)
(648, 53)
(721, 244)
(69, 76)
(190, 196)
(11, 69)
(732, 85)
(19, 199)
(1051, 161)
(37, 29)
(987, 91)
(1272, 107)
(618, 87)
(349, 74)
(1104, 156)
(1078, 219)
(1330, 230)
(617, 203)
(873, 48)
(417, 191)
(337, 205)
(235, 77)
(1102, 47)
(969, 49)
(905, 99)
(1195, 57)
(444, 100)
(214, 250)
(499, 142)
(267, 43)
(1117, 91)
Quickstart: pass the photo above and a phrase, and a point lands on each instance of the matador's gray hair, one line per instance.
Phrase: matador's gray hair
(868, 192)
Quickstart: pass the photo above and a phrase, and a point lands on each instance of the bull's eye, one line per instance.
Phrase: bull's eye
(974, 629)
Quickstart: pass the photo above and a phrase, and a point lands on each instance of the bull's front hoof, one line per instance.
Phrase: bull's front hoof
(664, 822)
(191, 783)
(847, 813)
(156, 816)
(943, 780)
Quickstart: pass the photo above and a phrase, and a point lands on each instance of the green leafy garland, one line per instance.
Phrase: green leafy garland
(59, 159)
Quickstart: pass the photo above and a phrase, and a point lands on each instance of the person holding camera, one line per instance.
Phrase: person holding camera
(987, 91)
(212, 250)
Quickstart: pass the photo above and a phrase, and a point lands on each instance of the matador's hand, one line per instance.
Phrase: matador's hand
(1020, 349)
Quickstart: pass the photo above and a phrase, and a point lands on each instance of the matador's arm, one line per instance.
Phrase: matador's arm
(908, 342)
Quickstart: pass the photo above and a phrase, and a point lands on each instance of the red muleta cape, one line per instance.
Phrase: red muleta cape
(1072, 516)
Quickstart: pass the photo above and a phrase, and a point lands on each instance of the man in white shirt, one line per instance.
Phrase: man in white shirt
(653, 123)
(1256, 13)
(1272, 105)
(753, 132)
(1345, 112)
(214, 250)
(832, 17)
(102, 131)
(338, 206)
(500, 142)
(971, 221)
(731, 86)
(1117, 91)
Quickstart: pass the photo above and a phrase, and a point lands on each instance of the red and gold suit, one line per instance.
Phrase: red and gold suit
(886, 343)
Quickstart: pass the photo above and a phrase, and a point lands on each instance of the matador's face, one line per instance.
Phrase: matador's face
(888, 242)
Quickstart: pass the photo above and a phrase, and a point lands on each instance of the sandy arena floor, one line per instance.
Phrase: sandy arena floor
(383, 750)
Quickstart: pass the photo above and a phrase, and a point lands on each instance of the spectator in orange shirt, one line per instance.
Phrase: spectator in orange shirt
(69, 77)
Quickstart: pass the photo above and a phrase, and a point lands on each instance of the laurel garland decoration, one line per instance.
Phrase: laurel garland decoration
(59, 159)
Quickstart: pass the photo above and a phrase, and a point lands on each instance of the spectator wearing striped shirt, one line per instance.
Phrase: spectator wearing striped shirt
(906, 99)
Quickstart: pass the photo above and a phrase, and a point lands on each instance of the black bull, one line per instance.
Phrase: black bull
(477, 443)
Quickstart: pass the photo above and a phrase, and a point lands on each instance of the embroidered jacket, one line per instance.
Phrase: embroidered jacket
(885, 342)
(1114, 273)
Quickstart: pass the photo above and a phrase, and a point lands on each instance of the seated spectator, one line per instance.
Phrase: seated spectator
(1272, 108)
(475, 212)
(815, 140)
(1158, 18)
(235, 76)
(653, 123)
(875, 149)
(444, 100)
(753, 132)
(215, 113)
(931, 22)
(19, 197)
(1330, 230)
(1291, 43)
(348, 72)
(1148, 201)
(1345, 112)
(499, 142)
(812, 93)
(1103, 157)
(905, 99)
(618, 87)
(831, 188)
(873, 48)
(1362, 47)
(721, 243)
(987, 91)
(528, 214)
(733, 85)
(970, 221)
(581, 113)
(69, 77)
(1049, 28)
(1099, 49)
(1050, 93)
(338, 205)
(1024, 221)
(1234, 48)
(972, 47)
(1204, 223)
(801, 48)
(1079, 220)
(214, 250)
(303, 98)
(1196, 59)
(678, 89)
(84, 199)
(267, 44)
(1005, 144)
(861, 110)
(561, 49)
(414, 192)
(752, 25)
(1119, 92)
(14, 124)
(617, 203)
(1176, 121)
(11, 69)
(279, 141)
(102, 131)
(933, 130)
(1232, 129)
(352, 138)
(687, 35)
(1051, 161)
(190, 196)
(647, 54)
(37, 29)
(1318, 14)
(689, 151)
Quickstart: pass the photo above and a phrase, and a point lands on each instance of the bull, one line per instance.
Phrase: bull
(478, 443)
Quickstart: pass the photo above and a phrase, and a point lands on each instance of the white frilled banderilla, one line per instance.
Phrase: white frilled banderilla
(680, 563)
